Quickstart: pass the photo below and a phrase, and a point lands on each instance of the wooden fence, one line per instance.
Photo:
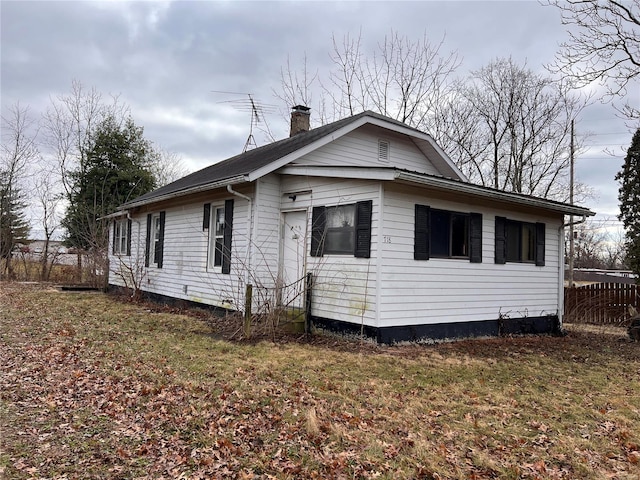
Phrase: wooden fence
(601, 303)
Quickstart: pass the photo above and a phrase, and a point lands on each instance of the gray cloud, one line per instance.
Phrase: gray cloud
(166, 60)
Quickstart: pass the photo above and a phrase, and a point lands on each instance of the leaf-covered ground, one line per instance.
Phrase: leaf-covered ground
(92, 387)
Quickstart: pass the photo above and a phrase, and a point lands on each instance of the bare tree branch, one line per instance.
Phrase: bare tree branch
(603, 46)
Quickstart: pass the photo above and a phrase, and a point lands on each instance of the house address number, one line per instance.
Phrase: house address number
(386, 239)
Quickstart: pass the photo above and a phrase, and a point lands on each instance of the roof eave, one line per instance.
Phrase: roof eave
(187, 191)
(513, 198)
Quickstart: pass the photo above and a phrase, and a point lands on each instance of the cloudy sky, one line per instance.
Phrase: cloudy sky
(166, 60)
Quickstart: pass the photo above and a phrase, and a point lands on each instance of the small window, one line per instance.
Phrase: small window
(383, 150)
(449, 234)
(446, 234)
(518, 241)
(340, 229)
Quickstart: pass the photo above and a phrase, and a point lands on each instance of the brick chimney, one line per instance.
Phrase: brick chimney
(299, 120)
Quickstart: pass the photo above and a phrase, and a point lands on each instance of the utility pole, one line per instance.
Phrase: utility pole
(571, 242)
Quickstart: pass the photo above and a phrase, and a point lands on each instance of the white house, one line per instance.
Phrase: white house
(399, 244)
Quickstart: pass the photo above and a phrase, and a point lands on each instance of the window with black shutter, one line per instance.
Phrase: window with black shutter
(519, 242)
(154, 245)
(342, 230)
(218, 220)
(447, 234)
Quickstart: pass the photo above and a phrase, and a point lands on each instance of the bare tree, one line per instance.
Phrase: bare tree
(167, 167)
(603, 46)
(69, 122)
(297, 88)
(49, 200)
(614, 250)
(509, 128)
(401, 79)
(19, 151)
(589, 240)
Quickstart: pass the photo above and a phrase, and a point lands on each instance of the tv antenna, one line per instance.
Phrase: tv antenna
(257, 111)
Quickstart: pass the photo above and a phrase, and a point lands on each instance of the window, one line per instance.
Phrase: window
(216, 237)
(446, 234)
(218, 219)
(449, 234)
(517, 241)
(342, 230)
(154, 251)
(122, 237)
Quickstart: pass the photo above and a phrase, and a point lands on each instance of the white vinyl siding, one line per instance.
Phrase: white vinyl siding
(344, 286)
(443, 290)
(265, 240)
(184, 272)
(361, 148)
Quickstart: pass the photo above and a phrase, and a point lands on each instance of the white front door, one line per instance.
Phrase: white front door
(294, 233)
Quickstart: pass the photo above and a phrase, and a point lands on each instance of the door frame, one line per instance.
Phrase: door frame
(281, 265)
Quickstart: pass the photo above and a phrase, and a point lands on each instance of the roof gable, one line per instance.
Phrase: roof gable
(255, 163)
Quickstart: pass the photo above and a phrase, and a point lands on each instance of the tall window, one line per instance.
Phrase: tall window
(154, 251)
(218, 221)
(155, 238)
(216, 237)
(122, 237)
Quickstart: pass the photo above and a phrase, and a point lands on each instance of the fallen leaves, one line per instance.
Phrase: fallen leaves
(92, 390)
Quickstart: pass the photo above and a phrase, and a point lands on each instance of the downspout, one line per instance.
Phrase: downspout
(561, 266)
(247, 261)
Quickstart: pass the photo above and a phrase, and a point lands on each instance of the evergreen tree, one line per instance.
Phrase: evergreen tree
(629, 196)
(116, 169)
(14, 228)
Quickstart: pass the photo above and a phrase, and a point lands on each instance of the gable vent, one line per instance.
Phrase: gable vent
(383, 150)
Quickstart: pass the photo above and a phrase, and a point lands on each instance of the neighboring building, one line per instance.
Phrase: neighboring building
(588, 276)
(399, 243)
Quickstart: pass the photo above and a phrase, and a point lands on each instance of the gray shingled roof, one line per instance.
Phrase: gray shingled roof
(252, 160)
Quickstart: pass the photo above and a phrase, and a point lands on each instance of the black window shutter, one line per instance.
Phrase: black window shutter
(363, 229)
(160, 250)
(129, 222)
(115, 227)
(421, 241)
(318, 224)
(226, 240)
(540, 241)
(206, 217)
(501, 240)
(475, 238)
(148, 242)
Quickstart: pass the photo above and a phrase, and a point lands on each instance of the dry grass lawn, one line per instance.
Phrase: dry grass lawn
(94, 387)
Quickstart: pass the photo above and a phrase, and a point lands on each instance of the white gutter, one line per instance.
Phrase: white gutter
(200, 188)
(249, 254)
